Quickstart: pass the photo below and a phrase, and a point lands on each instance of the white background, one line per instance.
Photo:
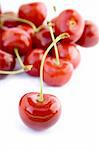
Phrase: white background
(78, 127)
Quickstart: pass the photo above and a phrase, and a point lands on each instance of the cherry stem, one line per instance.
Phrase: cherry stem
(6, 17)
(55, 45)
(60, 37)
(27, 68)
(19, 58)
(23, 67)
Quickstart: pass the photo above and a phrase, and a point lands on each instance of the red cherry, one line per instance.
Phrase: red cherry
(0, 10)
(42, 39)
(90, 36)
(16, 38)
(57, 75)
(27, 28)
(9, 22)
(54, 20)
(7, 62)
(68, 52)
(34, 58)
(2, 29)
(71, 22)
(34, 12)
(39, 115)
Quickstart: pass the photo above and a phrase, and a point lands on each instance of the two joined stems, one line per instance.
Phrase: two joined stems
(60, 37)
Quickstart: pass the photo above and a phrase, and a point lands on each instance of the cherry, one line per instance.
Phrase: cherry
(54, 20)
(57, 75)
(1, 32)
(7, 62)
(10, 72)
(0, 10)
(10, 22)
(34, 12)
(16, 38)
(56, 72)
(71, 22)
(39, 115)
(90, 36)
(27, 28)
(37, 110)
(34, 58)
(42, 39)
(68, 52)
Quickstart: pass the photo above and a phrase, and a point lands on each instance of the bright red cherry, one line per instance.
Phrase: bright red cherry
(68, 52)
(34, 12)
(16, 38)
(34, 58)
(57, 75)
(7, 62)
(27, 28)
(39, 115)
(71, 22)
(90, 36)
(42, 39)
(9, 22)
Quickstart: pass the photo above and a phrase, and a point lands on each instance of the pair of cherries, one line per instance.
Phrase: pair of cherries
(27, 34)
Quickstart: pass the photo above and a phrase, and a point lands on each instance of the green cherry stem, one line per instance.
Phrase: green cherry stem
(27, 68)
(19, 58)
(60, 37)
(6, 17)
(55, 45)
(23, 67)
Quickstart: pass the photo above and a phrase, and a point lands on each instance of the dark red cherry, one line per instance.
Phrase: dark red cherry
(90, 36)
(42, 39)
(34, 58)
(16, 38)
(39, 115)
(7, 62)
(71, 22)
(2, 29)
(57, 75)
(34, 12)
(0, 10)
(68, 52)
(10, 22)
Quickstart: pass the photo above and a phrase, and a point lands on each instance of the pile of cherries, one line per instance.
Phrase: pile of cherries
(49, 50)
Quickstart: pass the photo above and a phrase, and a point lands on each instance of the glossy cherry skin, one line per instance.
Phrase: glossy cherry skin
(10, 22)
(34, 12)
(71, 22)
(68, 52)
(34, 58)
(2, 29)
(57, 75)
(42, 39)
(27, 28)
(16, 38)
(39, 115)
(0, 10)
(7, 62)
(90, 36)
